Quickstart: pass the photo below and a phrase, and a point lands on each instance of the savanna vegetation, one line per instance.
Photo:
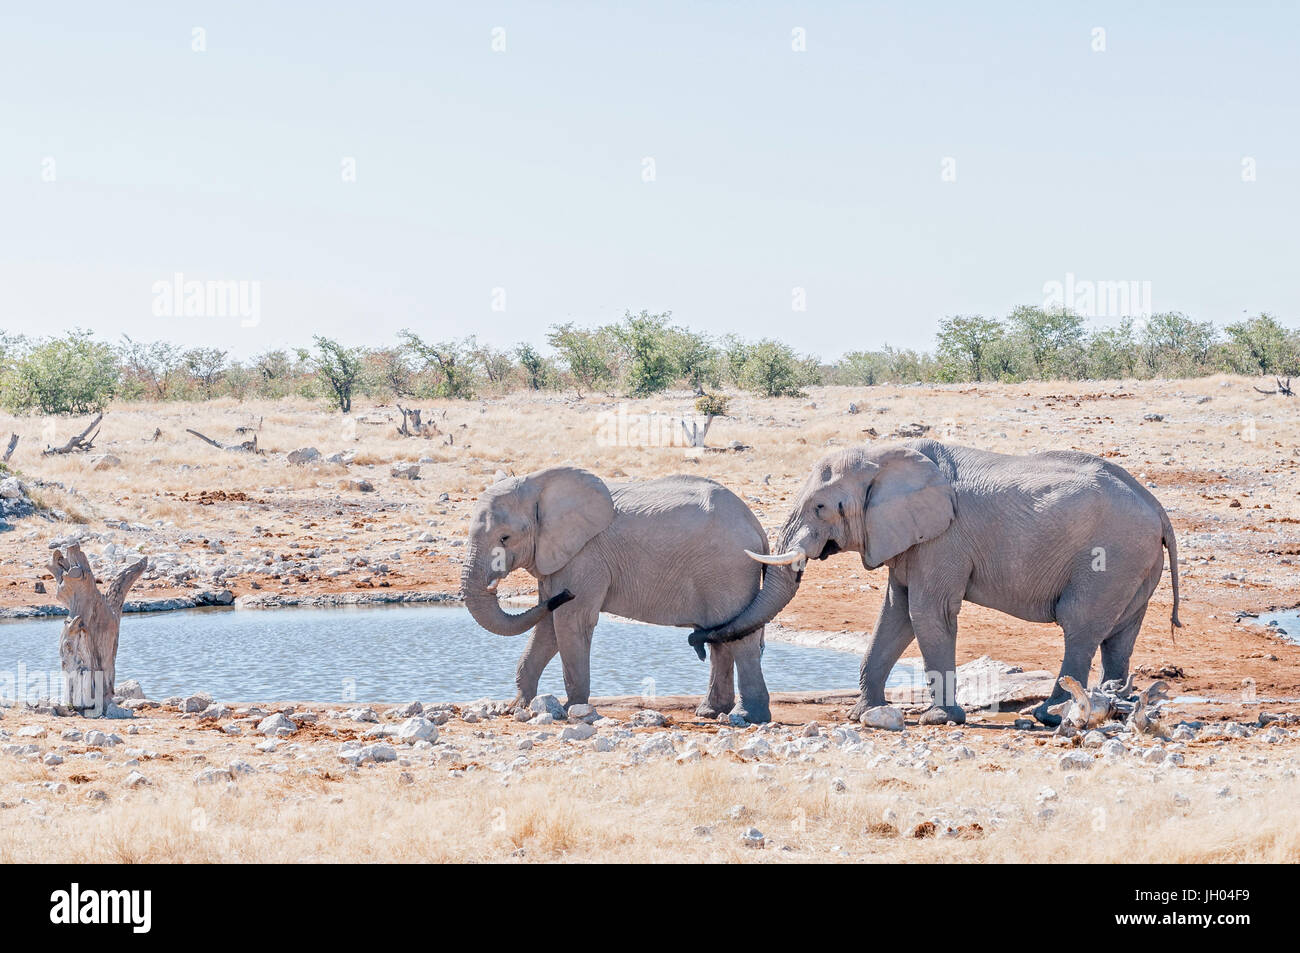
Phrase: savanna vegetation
(639, 355)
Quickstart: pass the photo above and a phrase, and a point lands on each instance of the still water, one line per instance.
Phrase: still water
(386, 654)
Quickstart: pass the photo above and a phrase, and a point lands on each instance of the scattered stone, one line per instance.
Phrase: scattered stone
(212, 775)
(1075, 761)
(417, 729)
(584, 713)
(548, 705)
(135, 780)
(648, 718)
(1114, 748)
(196, 703)
(752, 837)
(274, 724)
(129, 689)
(406, 471)
(579, 732)
(885, 717)
(304, 455)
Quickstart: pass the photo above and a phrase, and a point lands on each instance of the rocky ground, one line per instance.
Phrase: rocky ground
(375, 516)
(193, 779)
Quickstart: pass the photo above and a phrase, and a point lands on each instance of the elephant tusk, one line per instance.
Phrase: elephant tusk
(492, 586)
(795, 557)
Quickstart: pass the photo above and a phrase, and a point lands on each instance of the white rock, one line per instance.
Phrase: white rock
(648, 718)
(212, 775)
(273, 724)
(304, 455)
(129, 689)
(579, 732)
(196, 702)
(584, 713)
(135, 779)
(1094, 739)
(417, 729)
(602, 743)
(886, 717)
(1075, 761)
(752, 837)
(240, 768)
(656, 745)
(548, 705)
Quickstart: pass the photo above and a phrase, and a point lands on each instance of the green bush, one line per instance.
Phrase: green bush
(69, 375)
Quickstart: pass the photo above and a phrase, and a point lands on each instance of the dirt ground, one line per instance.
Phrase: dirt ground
(1223, 460)
(170, 785)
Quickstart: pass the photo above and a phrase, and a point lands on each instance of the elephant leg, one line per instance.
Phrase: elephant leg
(574, 624)
(538, 653)
(722, 688)
(934, 620)
(1084, 630)
(755, 705)
(890, 638)
(1117, 648)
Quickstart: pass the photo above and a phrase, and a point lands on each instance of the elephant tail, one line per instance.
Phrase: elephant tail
(1171, 544)
(702, 637)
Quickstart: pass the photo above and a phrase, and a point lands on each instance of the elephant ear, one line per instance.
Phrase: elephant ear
(908, 502)
(572, 507)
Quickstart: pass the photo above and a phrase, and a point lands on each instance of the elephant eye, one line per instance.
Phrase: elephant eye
(505, 538)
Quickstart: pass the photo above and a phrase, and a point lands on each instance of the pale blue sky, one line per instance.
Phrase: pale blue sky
(522, 169)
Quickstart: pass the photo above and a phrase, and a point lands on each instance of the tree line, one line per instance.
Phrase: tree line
(639, 355)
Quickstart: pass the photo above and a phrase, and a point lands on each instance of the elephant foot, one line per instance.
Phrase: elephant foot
(709, 711)
(855, 713)
(519, 702)
(754, 714)
(944, 715)
(1044, 716)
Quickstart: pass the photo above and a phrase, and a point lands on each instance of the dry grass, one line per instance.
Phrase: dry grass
(589, 807)
(592, 808)
(523, 432)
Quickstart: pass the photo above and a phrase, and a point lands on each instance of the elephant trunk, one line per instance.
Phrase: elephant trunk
(780, 583)
(484, 607)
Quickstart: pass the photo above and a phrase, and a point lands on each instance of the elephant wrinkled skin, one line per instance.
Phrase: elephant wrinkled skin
(668, 552)
(1057, 536)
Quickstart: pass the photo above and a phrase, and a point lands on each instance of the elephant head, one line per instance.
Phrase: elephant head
(536, 522)
(878, 503)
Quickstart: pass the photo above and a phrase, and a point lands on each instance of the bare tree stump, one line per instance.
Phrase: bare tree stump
(88, 646)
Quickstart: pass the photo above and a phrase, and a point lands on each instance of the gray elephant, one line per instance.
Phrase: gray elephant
(669, 552)
(1047, 537)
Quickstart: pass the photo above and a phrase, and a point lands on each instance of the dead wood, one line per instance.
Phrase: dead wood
(80, 443)
(88, 645)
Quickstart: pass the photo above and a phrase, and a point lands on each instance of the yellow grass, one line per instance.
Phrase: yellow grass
(593, 808)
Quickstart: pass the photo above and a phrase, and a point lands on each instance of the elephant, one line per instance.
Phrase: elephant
(670, 551)
(1056, 536)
